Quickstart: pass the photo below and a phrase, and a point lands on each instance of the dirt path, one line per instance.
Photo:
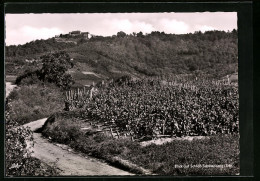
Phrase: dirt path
(90, 73)
(68, 161)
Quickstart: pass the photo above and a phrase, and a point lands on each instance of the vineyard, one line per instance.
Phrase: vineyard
(149, 108)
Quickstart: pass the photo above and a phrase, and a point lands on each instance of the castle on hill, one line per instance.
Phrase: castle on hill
(75, 34)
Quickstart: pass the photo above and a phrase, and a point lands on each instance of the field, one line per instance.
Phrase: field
(147, 108)
(10, 78)
(113, 118)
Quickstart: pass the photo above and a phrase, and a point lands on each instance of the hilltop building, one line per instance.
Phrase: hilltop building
(74, 34)
(85, 34)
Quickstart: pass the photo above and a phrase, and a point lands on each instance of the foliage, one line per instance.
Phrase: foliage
(36, 47)
(54, 69)
(16, 147)
(18, 160)
(157, 53)
(121, 34)
(28, 78)
(167, 159)
(151, 107)
(64, 127)
(140, 34)
(122, 80)
(161, 159)
(42, 101)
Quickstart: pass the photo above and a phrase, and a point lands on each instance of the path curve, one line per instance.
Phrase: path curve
(69, 162)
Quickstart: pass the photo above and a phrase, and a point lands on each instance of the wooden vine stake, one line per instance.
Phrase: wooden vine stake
(163, 127)
(111, 131)
(118, 134)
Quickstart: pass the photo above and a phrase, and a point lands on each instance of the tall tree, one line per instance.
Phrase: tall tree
(121, 34)
(140, 34)
(54, 69)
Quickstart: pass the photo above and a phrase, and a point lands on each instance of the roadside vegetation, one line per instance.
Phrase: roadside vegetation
(40, 91)
(33, 102)
(18, 159)
(39, 95)
(159, 159)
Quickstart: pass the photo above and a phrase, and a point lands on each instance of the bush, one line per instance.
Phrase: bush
(18, 160)
(32, 75)
(62, 128)
(28, 79)
(33, 102)
(66, 130)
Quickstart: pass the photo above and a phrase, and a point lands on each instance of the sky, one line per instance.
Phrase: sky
(23, 28)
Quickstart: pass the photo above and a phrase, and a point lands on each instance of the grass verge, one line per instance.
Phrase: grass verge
(218, 155)
(32, 102)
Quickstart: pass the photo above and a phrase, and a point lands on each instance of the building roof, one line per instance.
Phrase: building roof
(75, 32)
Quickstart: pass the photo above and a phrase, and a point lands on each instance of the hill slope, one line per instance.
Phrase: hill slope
(213, 53)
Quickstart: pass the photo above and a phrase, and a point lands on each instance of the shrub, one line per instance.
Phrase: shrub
(33, 102)
(62, 129)
(28, 79)
(18, 160)
(15, 147)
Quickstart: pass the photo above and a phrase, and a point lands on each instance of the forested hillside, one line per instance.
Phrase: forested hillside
(157, 53)
(36, 47)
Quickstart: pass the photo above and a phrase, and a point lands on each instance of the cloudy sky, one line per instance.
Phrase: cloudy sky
(22, 28)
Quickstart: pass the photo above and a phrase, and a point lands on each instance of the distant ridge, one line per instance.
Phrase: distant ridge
(156, 54)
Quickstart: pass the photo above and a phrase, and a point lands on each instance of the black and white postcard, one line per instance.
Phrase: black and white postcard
(122, 94)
